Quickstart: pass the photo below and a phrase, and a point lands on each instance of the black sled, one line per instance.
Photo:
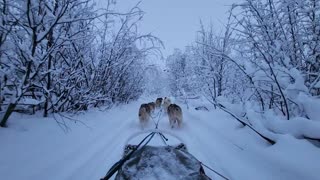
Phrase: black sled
(143, 161)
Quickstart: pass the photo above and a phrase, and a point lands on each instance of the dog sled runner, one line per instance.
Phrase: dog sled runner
(143, 161)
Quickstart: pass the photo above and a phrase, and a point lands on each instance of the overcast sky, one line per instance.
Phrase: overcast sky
(175, 22)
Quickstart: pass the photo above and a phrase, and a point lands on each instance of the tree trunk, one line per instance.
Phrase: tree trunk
(47, 95)
(49, 45)
(7, 114)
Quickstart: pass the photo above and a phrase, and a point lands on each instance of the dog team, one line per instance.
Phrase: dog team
(173, 110)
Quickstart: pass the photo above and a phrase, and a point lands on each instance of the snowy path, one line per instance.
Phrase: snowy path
(35, 148)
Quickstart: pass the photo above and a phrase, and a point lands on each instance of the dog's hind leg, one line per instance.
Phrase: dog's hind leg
(176, 121)
(179, 122)
(171, 121)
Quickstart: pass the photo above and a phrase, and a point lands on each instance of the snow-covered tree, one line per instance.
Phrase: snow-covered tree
(69, 55)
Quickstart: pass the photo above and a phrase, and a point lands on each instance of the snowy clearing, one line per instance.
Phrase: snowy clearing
(36, 148)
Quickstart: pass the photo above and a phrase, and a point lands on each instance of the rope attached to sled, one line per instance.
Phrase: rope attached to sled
(158, 115)
(214, 171)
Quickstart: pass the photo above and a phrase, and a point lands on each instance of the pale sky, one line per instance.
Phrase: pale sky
(175, 22)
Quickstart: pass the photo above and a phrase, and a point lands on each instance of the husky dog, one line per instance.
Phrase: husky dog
(144, 114)
(152, 106)
(166, 103)
(174, 114)
(158, 102)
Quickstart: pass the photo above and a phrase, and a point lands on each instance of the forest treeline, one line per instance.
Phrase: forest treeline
(266, 58)
(69, 55)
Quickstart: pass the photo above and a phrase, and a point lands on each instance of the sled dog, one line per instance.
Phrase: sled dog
(144, 114)
(166, 103)
(152, 106)
(158, 102)
(174, 114)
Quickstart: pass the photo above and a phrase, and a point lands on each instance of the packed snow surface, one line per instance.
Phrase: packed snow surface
(37, 148)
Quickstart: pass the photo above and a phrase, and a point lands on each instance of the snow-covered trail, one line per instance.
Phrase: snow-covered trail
(35, 148)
